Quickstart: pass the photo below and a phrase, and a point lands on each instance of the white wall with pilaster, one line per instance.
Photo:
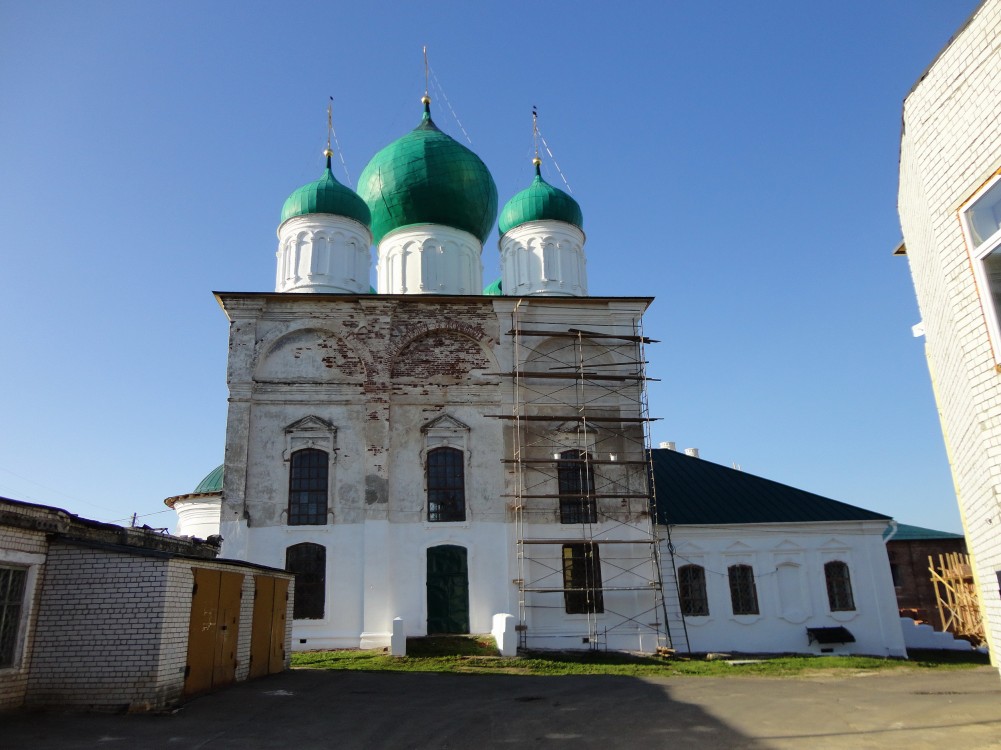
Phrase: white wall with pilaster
(544, 258)
(429, 259)
(788, 562)
(323, 253)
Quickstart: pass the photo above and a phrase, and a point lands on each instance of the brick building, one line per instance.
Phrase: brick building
(98, 616)
(909, 549)
(950, 212)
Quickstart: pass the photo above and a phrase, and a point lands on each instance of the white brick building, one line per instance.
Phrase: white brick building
(950, 213)
(97, 616)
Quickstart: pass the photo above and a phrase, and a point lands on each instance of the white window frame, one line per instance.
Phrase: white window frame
(31, 563)
(978, 253)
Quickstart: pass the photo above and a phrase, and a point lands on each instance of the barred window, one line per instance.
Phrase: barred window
(446, 484)
(11, 604)
(307, 491)
(692, 591)
(839, 587)
(582, 579)
(309, 564)
(576, 478)
(743, 594)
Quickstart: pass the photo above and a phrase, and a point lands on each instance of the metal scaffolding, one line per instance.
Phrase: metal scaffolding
(588, 547)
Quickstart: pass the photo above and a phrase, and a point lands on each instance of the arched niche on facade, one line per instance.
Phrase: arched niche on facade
(309, 355)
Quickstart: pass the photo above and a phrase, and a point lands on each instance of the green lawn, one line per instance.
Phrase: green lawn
(478, 656)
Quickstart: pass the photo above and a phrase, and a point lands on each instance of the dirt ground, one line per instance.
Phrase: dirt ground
(304, 709)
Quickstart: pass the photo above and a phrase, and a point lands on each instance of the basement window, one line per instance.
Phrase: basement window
(981, 219)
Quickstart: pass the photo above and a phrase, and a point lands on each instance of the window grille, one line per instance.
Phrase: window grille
(11, 603)
(307, 494)
(692, 591)
(743, 594)
(582, 579)
(446, 483)
(309, 564)
(576, 477)
(839, 587)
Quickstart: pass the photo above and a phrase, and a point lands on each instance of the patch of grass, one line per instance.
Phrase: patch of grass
(469, 654)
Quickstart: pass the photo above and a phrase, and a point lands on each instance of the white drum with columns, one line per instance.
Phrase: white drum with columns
(429, 259)
(323, 253)
(543, 258)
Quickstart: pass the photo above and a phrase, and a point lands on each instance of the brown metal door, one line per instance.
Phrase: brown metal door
(278, 618)
(202, 628)
(224, 664)
(261, 630)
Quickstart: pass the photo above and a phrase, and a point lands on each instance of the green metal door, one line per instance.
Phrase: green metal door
(448, 590)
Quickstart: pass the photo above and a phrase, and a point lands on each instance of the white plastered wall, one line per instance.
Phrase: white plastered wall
(544, 258)
(429, 259)
(788, 562)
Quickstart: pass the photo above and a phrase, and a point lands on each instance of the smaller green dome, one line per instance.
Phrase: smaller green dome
(212, 482)
(540, 201)
(495, 290)
(327, 196)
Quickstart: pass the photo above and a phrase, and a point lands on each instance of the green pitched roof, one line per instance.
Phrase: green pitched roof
(426, 177)
(326, 196)
(540, 201)
(908, 533)
(212, 482)
(695, 491)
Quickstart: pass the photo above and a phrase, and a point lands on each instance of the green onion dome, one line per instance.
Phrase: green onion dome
(495, 290)
(540, 201)
(326, 196)
(212, 482)
(426, 177)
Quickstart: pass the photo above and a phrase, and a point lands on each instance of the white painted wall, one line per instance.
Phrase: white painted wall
(951, 146)
(788, 562)
(198, 515)
(543, 258)
(429, 259)
(323, 253)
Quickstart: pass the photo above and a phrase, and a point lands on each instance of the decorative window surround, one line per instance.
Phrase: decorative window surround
(311, 433)
(445, 432)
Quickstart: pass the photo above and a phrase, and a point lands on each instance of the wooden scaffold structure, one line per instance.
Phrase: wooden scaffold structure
(958, 603)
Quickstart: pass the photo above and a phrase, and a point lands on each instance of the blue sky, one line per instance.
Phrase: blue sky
(738, 161)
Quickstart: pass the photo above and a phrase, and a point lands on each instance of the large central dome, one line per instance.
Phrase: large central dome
(426, 177)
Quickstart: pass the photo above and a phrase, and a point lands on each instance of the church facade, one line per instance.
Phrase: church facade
(433, 451)
(431, 457)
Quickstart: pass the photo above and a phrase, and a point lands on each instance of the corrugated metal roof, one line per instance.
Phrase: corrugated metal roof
(908, 533)
(695, 491)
